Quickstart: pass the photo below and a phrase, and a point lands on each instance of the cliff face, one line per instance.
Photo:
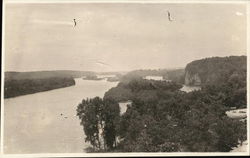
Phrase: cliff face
(192, 79)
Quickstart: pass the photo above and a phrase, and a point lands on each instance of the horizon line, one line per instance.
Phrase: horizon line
(98, 71)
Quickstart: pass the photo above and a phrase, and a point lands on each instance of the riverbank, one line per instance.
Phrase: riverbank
(14, 88)
(241, 115)
(241, 148)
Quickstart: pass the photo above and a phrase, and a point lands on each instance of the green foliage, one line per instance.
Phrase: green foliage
(223, 77)
(143, 84)
(164, 119)
(89, 112)
(229, 134)
(183, 122)
(139, 86)
(119, 93)
(229, 94)
(176, 75)
(217, 70)
(99, 119)
(111, 118)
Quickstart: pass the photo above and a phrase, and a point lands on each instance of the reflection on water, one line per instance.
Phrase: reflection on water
(105, 76)
(190, 88)
(46, 122)
(159, 78)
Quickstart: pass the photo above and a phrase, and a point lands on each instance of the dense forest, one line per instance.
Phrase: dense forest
(176, 75)
(218, 70)
(162, 118)
(13, 87)
(126, 90)
(225, 76)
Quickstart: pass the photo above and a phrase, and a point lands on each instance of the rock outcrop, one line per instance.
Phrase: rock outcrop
(193, 80)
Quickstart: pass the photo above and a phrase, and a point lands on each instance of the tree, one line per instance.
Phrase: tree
(89, 112)
(111, 118)
(99, 119)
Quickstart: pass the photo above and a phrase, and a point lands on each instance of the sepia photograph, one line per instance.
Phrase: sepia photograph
(117, 78)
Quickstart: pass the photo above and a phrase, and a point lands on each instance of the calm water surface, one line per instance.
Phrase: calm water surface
(187, 89)
(46, 122)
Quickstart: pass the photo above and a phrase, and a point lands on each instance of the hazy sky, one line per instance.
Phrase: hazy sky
(113, 37)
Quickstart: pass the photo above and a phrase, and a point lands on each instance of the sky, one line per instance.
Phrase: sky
(120, 36)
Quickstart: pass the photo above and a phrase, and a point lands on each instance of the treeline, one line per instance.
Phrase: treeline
(231, 94)
(21, 83)
(172, 121)
(218, 70)
(225, 76)
(45, 74)
(176, 75)
(14, 87)
(161, 119)
(92, 77)
(128, 90)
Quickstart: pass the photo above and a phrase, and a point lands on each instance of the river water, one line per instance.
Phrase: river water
(188, 89)
(46, 122)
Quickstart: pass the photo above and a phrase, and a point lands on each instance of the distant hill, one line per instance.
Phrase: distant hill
(46, 74)
(13, 88)
(176, 75)
(215, 70)
(22, 83)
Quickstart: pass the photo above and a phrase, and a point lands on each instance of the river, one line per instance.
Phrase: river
(46, 122)
(188, 89)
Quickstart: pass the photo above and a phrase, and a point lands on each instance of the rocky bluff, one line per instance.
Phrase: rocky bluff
(215, 70)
